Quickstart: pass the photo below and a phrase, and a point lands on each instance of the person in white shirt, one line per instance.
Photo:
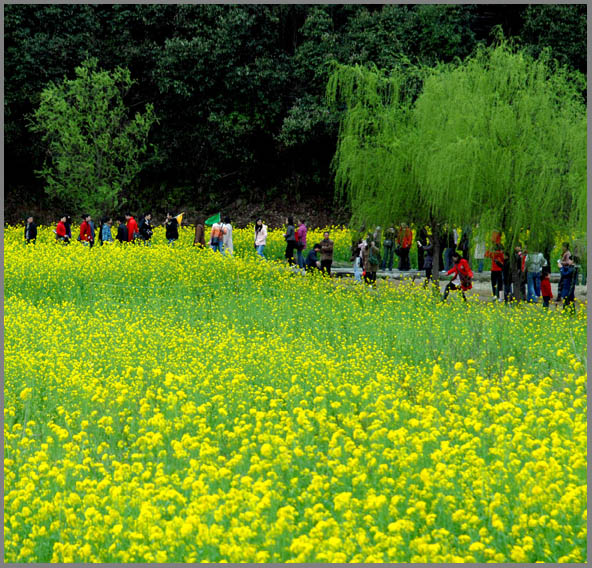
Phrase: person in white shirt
(227, 238)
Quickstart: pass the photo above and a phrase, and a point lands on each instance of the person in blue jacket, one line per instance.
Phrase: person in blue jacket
(568, 284)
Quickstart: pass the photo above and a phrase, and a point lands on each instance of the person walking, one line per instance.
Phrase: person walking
(422, 239)
(301, 242)
(388, 246)
(217, 237)
(546, 292)
(507, 278)
(357, 260)
(563, 261)
(200, 234)
(465, 242)
(370, 260)
(497, 266)
(61, 232)
(535, 261)
(450, 240)
(92, 231)
(171, 228)
(427, 252)
(146, 229)
(30, 231)
(290, 237)
(404, 240)
(122, 235)
(568, 284)
(68, 225)
(85, 236)
(105, 233)
(326, 253)
(517, 269)
(260, 237)
(227, 236)
(462, 276)
(480, 253)
(132, 228)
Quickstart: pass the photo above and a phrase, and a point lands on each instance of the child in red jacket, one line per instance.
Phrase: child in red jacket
(546, 287)
(462, 276)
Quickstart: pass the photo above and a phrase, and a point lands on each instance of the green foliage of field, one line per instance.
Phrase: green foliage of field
(173, 405)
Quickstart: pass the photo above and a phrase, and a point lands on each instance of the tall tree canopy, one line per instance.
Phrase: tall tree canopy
(498, 140)
(239, 89)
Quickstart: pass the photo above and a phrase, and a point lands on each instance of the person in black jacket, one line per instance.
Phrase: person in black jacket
(427, 250)
(146, 228)
(30, 231)
(290, 236)
(312, 259)
(172, 228)
(122, 230)
(68, 225)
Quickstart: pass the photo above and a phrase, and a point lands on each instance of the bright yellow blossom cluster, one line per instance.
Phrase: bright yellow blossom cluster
(174, 405)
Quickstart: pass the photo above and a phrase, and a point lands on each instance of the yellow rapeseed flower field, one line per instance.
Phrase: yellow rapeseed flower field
(170, 404)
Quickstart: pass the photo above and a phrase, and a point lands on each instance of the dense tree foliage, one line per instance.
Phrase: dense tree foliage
(94, 148)
(498, 140)
(239, 89)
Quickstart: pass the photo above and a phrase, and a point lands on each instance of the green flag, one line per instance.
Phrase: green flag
(213, 219)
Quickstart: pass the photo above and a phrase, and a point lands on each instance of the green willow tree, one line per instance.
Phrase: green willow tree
(503, 141)
(94, 149)
(498, 140)
(375, 162)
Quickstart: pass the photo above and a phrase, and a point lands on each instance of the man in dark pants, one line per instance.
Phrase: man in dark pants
(517, 274)
(146, 228)
(122, 230)
(388, 247)
(30, 231)
(326, 253)
(422, 241)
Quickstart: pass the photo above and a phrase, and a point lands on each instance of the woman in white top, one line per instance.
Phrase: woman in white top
(227, 239)
(260, 237)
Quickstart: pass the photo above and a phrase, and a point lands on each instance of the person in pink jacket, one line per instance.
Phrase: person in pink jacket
(260, 237)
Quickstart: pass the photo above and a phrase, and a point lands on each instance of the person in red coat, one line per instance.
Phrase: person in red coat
(85, 230)
(404, 241)
(60, 231)
(497, 269)
(462, 276)
(546, 287)
(132, 227)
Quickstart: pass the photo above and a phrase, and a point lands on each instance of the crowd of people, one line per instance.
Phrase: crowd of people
(523, 275)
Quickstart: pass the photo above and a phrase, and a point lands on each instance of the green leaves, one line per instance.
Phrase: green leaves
(498, 140)
(93, 148)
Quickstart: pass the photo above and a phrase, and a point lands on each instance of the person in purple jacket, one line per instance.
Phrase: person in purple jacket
(301, 242)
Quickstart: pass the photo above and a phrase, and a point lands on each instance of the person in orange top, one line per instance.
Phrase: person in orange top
(462, 276)
(132, 227)
(217, 237)
(404, 240)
